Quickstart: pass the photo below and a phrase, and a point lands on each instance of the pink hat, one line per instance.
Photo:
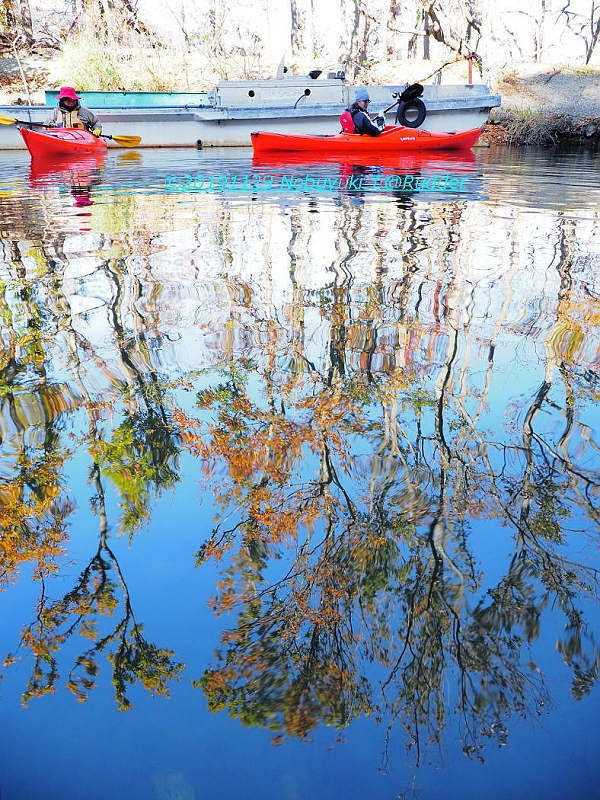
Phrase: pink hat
(67, 91)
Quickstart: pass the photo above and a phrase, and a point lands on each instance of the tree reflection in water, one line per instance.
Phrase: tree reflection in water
(100, 593)
(365, 483)
(345, 431)
(140, 456)
(376, 611)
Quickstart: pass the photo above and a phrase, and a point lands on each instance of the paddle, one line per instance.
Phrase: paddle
(376, 114)
(125, 141)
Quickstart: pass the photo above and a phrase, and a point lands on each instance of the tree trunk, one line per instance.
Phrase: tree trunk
(426, 51)
(540, 37)
(394, 18)
(595, 27)
(357, 46)
(298, 31)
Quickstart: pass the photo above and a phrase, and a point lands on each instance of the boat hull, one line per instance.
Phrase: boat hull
(61, 142)
(394, 139)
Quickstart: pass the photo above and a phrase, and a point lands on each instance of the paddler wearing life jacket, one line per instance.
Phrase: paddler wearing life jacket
(69, 113)
(359, 117)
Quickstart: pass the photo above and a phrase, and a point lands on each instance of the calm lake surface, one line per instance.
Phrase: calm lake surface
(299, 481)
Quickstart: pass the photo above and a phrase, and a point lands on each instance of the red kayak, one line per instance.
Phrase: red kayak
(393, 139)
(61, 142)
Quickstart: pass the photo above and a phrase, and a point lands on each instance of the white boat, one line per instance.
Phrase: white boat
(227, 115)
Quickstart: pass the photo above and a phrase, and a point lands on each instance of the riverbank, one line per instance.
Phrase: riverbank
(540, 128)
(546, 106)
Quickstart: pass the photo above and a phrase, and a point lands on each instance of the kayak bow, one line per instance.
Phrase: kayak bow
(393, 139)
(61, 142)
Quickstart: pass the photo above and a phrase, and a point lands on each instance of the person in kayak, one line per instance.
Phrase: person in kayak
(362, 121)
(69, 113)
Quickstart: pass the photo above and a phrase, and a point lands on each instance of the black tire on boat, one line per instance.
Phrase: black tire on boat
(411, 114)
(411, 92)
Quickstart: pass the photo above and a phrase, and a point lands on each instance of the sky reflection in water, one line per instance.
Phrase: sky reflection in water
(324, 463)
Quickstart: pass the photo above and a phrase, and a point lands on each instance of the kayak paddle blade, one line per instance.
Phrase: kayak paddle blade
(126, 141)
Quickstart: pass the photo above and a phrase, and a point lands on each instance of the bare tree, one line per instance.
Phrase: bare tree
(16, 29)
(298, 32)
(585, 26)
(456, 25)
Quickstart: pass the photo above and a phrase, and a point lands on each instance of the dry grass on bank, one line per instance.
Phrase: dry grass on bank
(529, 127)
(541, 128)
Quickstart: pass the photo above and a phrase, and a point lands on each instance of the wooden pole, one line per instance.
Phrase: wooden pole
(23, 77)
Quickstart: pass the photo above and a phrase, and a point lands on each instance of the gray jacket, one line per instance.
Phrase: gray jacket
(65, 119)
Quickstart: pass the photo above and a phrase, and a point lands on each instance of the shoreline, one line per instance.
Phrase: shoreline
(546, 106)
(540, 128)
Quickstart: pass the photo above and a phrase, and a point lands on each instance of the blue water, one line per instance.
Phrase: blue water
(374, 412)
